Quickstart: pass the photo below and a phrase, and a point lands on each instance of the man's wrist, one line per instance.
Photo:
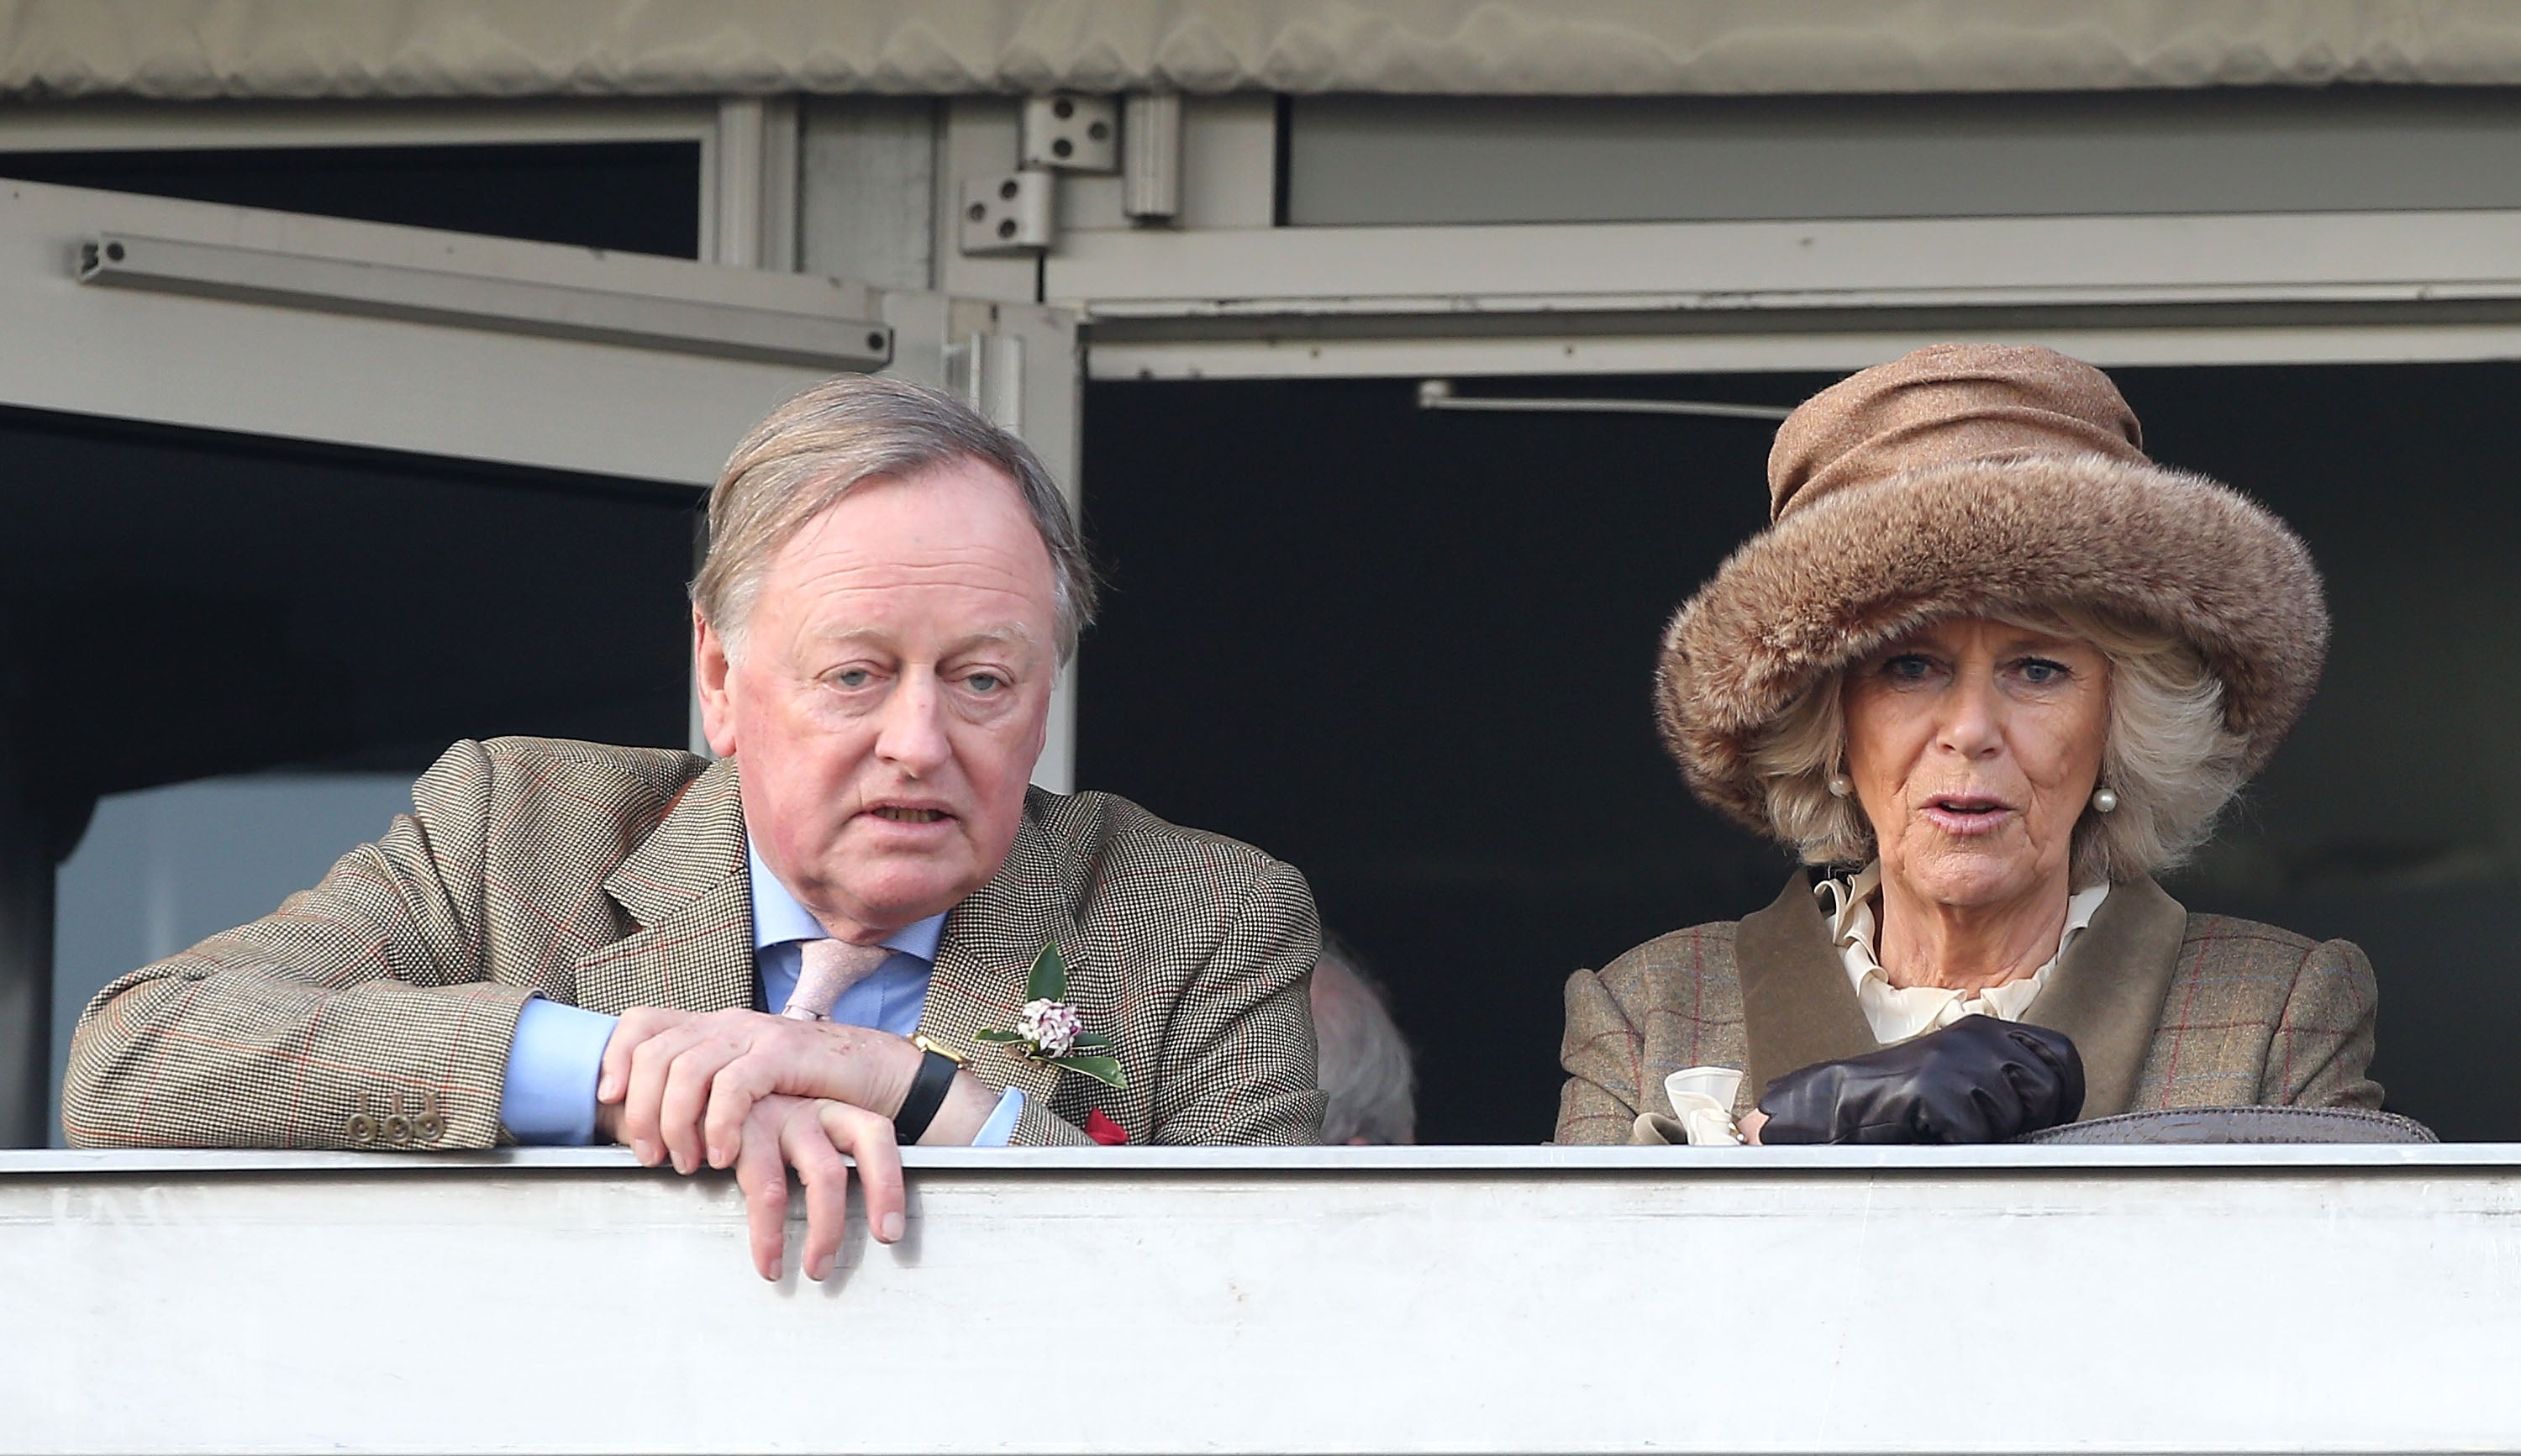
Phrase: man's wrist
(937, 1069)
(902, 1061)
(966, 1110)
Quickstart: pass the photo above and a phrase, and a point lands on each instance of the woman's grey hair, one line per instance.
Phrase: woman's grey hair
(1369, 1090)
(827, 441)
(2168, 756)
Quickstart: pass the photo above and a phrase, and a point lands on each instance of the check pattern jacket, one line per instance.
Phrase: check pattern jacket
(609, 878)
(2169, 1009)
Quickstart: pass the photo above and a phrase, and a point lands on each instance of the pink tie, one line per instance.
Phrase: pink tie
(825, 969)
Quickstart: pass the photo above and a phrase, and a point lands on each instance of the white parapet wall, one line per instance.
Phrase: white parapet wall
(1123, 1300)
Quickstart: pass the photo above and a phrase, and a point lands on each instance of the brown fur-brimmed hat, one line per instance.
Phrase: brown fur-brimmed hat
(1960, 479)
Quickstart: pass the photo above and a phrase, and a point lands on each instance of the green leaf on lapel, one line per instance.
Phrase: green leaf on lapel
(998, 1036)
(1104, 1069)
(1092, 1041)
(1049, 979)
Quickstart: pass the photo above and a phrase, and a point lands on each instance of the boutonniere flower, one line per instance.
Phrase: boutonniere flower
(1049, 1031)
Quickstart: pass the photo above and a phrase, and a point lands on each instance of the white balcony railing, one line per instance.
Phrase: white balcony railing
(1280, 1300)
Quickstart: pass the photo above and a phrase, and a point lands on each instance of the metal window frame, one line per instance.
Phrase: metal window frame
(750, 211)
(1225, 295)
(1706, 296)
(344, 332)
(178, 126)
(748, 145)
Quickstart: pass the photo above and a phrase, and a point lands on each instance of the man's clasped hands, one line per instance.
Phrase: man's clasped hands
(760, 1094)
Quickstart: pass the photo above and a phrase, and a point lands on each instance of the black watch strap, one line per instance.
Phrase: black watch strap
(927, 1094)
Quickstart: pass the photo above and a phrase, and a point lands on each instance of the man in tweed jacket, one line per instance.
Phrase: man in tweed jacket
(890, 586)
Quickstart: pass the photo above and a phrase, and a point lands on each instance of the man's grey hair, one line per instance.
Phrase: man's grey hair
(2168, 756)
(1368, 1083)
(824, 443)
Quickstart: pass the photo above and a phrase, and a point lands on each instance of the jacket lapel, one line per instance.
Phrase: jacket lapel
(986, 955)
(1798, 1007)
(2107, 991)
(687, 889)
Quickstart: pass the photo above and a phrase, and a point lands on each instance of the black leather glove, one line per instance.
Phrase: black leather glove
(1977, 1080)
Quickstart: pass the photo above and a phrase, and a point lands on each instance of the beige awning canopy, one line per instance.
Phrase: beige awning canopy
(293, 49)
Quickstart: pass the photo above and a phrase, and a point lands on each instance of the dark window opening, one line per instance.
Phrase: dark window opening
(629, 197)
(1411, 653)
(185, 602)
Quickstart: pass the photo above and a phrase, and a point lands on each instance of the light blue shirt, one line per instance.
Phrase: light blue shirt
(549, 1095)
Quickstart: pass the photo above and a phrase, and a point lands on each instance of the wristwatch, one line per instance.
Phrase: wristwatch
(936, 1069)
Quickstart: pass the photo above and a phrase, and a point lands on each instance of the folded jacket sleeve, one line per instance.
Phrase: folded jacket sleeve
(1601, 1053)
(1239, 1055)
(365, 997)
(2324, 1036)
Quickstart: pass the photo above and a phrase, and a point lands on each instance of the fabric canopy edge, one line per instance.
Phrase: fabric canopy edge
(206, 50)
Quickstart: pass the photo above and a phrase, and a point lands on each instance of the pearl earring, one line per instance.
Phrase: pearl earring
(1841, 785)
(2104, 800)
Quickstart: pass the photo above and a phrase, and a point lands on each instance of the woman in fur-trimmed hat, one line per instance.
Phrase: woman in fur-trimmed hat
(1998, 667)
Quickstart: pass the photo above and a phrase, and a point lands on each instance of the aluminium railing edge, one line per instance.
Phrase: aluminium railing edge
(1518, 1160)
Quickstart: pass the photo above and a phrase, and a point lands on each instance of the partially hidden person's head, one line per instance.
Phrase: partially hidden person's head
(1985, 632)
(1370, 1092)
(891, 587)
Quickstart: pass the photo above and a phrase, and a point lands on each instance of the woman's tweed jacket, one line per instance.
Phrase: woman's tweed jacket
(609, 878)
(2168, 1009)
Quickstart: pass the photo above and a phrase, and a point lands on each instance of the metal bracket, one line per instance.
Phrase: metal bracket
(1068, 133)
(1008, 214)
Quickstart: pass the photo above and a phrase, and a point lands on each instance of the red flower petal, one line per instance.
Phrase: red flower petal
(1104, 1130)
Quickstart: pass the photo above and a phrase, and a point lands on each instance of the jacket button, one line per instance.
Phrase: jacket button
(428, 1127)
(398, 1130)
(363, 1129)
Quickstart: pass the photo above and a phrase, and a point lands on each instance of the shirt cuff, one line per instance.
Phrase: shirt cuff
(549, 1093)
(1003, 1121)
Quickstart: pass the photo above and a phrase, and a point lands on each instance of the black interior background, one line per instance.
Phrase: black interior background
(180, 603)
(634, 197)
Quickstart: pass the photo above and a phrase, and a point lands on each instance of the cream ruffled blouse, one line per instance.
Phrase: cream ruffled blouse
(1702, 1097)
